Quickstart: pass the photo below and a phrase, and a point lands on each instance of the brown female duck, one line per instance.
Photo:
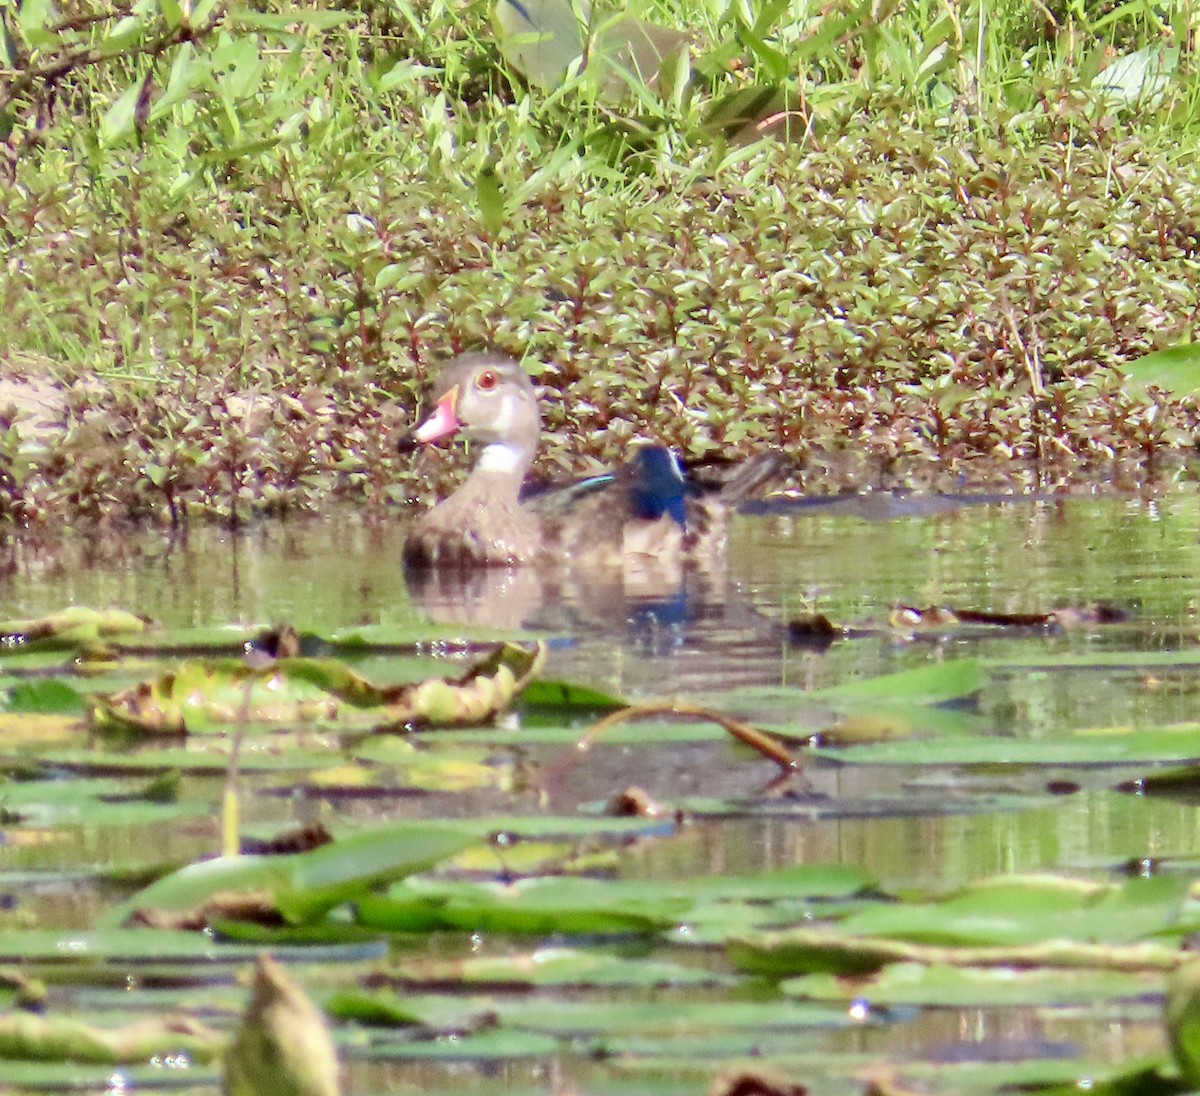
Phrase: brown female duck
(646, 511)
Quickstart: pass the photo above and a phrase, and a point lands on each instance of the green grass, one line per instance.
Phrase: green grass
(962, 232)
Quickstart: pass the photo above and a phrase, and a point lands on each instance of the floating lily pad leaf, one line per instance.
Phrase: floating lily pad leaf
(541, 39)
(790, 714)
(579, 1019)
(20, 665)
(211, 694)
(863, 727)
(304, 886)
(756, 1049)
(485, 690)
(566, 904)
(115, 945)
(532, 857)
(932, 684)
(1044, 1076)
(957, 987)
(647, 733)
(1175, 369)
(434, 767)
(207, 693)
(352, 941)
(60, 1038)
(562, 967)
(388, 1008)
(44, 803)
(1024, 910)
(917, 802)
(532, 906)
(824, 881)
(1057, 921)
(713, 924)
(384, 1008)
(47, 696)
(426, 772)
(454, 774)
(831, 950)
(69, 629)
(200, 756)
(1115, 746)
(23, 732)
(495, 1045)
(1183, 658)
(63, 1077)
(567, 699)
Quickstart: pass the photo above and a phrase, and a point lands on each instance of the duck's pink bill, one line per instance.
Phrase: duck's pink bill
(442, 422)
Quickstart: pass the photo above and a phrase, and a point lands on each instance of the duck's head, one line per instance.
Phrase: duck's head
(487, 396)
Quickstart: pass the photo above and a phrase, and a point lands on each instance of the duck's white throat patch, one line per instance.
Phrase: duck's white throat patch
(499, 457)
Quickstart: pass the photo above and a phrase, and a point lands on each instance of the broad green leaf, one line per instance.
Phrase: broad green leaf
(564, 967)
(304, 886)
(932, 684)
(568, 698)
(206, 694)
(1115, 746)
(541, 39)
(1026, 910)
(494, 1045)
(1175, 369)
(529, 906)
(78, 625)
(61, 1038)
(1139, 74)
(979, 987)
(565, 904)
(630, 51)
(48, 696)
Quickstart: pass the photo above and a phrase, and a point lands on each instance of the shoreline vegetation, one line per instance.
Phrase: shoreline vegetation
(914, 245)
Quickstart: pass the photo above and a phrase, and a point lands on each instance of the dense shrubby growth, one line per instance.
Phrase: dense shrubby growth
(886, 237)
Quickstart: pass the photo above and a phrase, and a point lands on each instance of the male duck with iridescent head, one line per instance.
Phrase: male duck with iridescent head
(646, 511)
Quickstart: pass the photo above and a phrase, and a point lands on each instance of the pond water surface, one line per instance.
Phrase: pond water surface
(724, 641)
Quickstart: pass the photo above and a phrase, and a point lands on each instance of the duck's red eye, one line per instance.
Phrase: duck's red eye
(487, 380)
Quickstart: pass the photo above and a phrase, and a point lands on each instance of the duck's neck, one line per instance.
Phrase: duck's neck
(501, 467)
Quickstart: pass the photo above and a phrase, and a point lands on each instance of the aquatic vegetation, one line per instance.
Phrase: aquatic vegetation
(511, 928)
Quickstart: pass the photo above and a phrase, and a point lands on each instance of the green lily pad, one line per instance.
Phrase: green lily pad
(958, 987)
(933, 684)
(529, 906)
(69, 629)
(1107, 746)
(303, 886)
(563, 967)
(211, 694)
